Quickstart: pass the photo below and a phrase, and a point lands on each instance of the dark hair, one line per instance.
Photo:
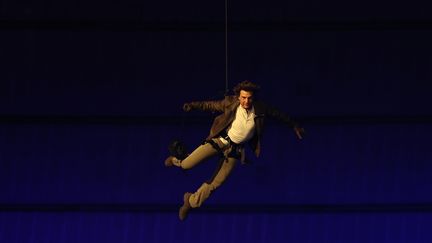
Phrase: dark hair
(246, 86)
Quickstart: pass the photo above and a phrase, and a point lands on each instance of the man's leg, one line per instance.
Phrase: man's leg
(194, 200)
(200, 154)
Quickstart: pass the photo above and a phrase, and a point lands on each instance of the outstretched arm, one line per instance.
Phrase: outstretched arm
(217, 105)
(275, 113)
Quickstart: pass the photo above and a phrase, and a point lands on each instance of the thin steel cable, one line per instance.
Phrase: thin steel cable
(226, 47)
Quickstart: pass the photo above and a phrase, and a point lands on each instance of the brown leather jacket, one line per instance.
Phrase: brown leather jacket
(228, 107)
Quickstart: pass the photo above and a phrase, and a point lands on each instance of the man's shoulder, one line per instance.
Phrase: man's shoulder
(231, 102)
(260, 106)
(230, 99)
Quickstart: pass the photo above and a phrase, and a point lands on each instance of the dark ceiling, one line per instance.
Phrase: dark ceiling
(335, 57)
(211, 12)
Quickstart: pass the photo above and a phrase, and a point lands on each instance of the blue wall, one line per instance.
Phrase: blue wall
(107, 183)
(334, 164)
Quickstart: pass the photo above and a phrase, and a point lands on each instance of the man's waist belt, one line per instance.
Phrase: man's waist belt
(225, 136)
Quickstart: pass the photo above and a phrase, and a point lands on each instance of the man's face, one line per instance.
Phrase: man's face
(246, 99)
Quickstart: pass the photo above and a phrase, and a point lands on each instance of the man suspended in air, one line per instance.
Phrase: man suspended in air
(240, 122)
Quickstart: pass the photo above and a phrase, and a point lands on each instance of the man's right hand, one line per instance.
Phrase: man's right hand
(187, 107)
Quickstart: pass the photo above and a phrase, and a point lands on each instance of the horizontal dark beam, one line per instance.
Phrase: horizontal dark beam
(284, 25)
(246, 208)
(191, 119)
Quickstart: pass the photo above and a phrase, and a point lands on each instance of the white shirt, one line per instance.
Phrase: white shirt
(243, 127)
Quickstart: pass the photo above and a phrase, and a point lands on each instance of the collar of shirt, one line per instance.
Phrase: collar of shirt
(247, 113)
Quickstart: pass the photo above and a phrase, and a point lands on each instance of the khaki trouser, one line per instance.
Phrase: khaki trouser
(201, 153)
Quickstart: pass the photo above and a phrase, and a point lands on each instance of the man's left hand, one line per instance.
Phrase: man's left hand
(299, 132)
